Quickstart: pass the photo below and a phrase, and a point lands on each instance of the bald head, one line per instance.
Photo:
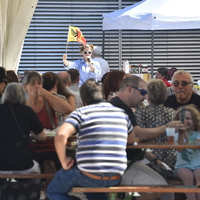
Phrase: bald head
(65, 78)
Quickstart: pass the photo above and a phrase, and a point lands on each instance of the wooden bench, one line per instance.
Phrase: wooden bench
(142, 189)
(28, 176)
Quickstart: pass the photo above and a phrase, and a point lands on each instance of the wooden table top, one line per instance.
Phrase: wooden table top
(174, 145)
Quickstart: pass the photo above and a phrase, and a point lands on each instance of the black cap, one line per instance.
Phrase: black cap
(3, 74)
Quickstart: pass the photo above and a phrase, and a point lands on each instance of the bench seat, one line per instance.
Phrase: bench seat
(143, 188)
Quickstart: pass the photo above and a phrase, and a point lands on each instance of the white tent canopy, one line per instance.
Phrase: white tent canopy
(15, 18)
(155, 15)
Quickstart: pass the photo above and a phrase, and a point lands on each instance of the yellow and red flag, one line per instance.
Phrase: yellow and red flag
(75, 35)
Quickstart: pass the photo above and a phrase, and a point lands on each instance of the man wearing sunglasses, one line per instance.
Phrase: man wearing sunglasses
(3, 81)
(132, 92)
(87, 67)
(182, 83)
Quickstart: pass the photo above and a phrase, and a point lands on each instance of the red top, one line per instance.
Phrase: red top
(167, 83)
(47, 145)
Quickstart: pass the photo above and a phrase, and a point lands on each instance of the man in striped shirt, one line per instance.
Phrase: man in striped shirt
(103, 132)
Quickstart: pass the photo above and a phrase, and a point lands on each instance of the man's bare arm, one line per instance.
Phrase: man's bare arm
(146, 134)
(64, 132)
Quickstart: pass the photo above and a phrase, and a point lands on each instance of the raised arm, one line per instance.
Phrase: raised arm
(64, 132)
(58, 104)
(65, 60)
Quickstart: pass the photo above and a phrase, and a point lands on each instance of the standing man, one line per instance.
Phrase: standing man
(182, 82)
(103, 131)
(67, 81)
(96, 55)
(74, 74)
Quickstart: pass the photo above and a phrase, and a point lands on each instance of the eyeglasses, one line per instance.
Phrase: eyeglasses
(183, 83)
(143, 92)
(4, 82)
(87, 52)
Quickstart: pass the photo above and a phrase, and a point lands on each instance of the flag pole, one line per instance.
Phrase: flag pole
(67, 39)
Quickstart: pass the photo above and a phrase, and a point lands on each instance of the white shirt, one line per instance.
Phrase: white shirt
(104, 67)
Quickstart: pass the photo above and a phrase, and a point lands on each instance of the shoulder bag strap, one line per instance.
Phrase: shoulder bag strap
(23, 135)
(49, 113)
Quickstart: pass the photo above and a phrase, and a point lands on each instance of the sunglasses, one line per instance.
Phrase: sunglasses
(143, 92)
(87, 52)
(183, 83)
(4, 82)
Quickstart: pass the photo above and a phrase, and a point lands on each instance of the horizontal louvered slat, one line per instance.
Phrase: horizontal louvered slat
(46, 39)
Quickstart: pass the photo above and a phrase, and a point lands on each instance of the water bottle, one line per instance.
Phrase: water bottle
(126, 66)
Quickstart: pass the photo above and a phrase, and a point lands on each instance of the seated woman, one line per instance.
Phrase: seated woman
(16, 122)
(53, 84)
(155, 115)
(111, 84)
(45, 106)
(187, 167)
(162, 74)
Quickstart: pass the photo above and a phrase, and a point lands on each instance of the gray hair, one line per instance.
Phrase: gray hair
(14, 93)
(97, 50)
(157, 91)
(183, 72)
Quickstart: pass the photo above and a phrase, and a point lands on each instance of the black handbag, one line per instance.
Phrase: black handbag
(166, 174)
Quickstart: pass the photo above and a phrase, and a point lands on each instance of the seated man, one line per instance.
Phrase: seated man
(103, 131)
(132, 92)
(182, 82)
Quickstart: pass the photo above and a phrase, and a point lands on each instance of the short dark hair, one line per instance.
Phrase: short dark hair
(91, 91)
(163, 71)
(49, 80)
(130, 80)
(74, 73)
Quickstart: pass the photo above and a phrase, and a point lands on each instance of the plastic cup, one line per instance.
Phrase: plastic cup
(170, 135)
(192, 135)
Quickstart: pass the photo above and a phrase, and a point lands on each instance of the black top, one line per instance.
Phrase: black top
(14, 151)
(172, 102)
(131, 153)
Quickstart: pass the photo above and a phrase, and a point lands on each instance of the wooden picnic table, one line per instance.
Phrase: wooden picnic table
(163, 145)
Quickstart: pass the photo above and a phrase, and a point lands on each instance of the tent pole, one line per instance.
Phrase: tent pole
(152, 51)
(103, 44)
(120, 50)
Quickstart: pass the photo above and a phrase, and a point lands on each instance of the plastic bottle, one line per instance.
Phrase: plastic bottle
(126, 66)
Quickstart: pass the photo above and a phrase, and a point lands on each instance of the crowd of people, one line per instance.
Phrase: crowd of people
(102, 116)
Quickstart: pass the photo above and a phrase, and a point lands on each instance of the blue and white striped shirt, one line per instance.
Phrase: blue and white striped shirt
(102, 132)
(84, 70)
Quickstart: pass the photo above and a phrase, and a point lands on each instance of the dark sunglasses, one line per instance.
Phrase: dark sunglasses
(87, 52)
(183, 83)
(4, 82)
(143, 92)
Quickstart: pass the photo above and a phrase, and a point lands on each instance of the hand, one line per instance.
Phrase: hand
(178, 125)
(64, 57)
(88, 59)
(67, 163)
(41, 92)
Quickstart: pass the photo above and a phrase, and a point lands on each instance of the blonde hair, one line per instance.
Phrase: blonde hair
(157, 91)
(195, 115)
